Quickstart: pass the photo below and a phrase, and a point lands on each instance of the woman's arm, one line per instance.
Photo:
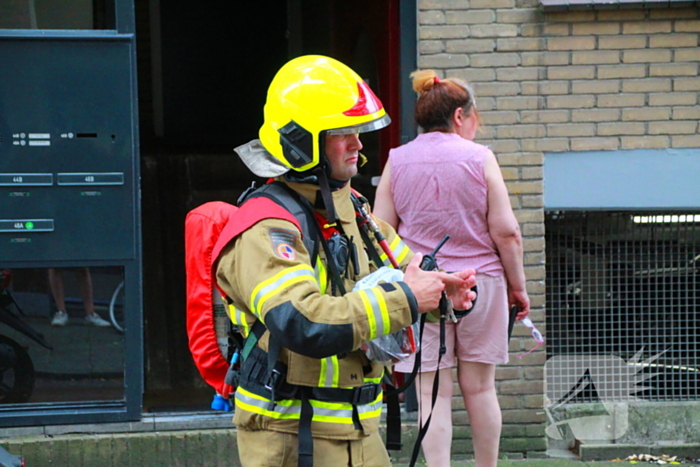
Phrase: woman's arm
(383, 202)
(505, 232)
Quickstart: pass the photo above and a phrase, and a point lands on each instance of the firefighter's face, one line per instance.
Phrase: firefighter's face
(343, 153)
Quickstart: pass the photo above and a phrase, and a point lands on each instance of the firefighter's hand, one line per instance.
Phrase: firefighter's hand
(427, 286)
(463, 296)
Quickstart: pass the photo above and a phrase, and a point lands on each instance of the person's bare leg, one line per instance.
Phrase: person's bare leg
(438, 440)
(56, 284)
(85, 285)
(477, 383)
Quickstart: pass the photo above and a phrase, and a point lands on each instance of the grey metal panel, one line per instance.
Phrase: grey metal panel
(634, 179)
(67, 108)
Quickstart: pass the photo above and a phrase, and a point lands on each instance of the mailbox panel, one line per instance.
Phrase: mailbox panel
(67, 188)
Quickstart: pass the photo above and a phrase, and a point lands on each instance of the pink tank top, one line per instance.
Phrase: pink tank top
(439, 187)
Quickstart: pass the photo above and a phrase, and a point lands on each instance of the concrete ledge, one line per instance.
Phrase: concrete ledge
(597, 452)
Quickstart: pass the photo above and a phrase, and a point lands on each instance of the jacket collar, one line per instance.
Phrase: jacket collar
(341, 199)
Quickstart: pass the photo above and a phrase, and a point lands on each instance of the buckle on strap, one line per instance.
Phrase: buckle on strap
(274, 381)
(365, 394)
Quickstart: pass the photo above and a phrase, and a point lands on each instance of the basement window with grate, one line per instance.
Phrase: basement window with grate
(624, 286)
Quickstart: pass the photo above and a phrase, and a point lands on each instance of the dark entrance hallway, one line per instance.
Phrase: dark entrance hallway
(203, 77)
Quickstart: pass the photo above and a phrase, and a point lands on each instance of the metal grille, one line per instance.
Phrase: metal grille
(623, 303)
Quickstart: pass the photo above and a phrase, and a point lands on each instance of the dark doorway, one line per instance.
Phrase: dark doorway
(203, 76)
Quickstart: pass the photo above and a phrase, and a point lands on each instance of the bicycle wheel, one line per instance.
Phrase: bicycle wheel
(116, 308)
(16, 372)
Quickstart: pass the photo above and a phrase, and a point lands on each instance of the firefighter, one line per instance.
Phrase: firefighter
(307, 394)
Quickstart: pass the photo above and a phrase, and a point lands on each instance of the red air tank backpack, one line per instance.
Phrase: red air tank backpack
(208, 229)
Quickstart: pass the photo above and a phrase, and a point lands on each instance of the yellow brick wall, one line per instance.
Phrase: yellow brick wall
(561, 81)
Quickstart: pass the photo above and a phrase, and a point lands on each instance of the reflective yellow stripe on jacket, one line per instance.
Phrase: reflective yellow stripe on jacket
(238, 318)
(399, 249)
(276, 284)
(330, 372)
(328, 412)
(377, 313)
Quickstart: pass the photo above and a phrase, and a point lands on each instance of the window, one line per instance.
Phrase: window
(57, 14)
(626, 284)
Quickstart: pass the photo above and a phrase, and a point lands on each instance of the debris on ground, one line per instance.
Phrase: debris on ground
(662, 459)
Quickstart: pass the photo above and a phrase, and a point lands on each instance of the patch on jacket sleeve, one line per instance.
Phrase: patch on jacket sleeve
(283, 243)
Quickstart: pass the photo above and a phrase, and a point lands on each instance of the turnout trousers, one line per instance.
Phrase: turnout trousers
(274, 449)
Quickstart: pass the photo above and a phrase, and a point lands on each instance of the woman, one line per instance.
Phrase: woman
(443, 183)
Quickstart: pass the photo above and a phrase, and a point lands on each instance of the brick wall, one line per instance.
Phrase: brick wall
(560, 81)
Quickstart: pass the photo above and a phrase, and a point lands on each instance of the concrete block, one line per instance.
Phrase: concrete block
(120, 450)
(684, 451)
(596, 452)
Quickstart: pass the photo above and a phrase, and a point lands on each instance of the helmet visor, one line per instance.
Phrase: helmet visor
(362, 127)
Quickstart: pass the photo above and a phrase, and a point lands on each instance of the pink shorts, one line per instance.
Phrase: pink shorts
(481, 336)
